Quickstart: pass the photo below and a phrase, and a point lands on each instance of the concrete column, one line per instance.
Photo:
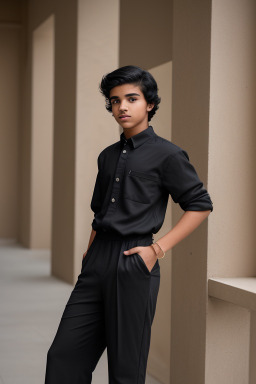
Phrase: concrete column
(149, 54)
(97, 54)
(85, 51)
(232, 182)
(10, 61)
(86, 47)
(62, 236)
(160, 345)
(63, 215)
(42, 135)
(252, 367)
(214, 84)
(190, 128)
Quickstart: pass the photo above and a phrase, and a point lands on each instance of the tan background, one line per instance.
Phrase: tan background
(53, 124)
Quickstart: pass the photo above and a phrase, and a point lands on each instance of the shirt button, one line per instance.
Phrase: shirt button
(124, 151)
(113, 199)
(117, 178)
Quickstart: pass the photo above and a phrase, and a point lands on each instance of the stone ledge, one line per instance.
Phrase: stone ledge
(237, 290)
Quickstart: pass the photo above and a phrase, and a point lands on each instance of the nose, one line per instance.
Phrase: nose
(122, 105)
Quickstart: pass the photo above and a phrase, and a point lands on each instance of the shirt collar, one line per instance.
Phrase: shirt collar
(136, 140)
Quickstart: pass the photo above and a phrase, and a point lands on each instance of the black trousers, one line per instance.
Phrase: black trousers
(112, 305)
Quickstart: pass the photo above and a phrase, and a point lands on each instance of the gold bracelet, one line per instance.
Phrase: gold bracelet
(161, 250)
(155, 250)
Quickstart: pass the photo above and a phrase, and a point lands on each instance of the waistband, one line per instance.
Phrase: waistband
(111, 235)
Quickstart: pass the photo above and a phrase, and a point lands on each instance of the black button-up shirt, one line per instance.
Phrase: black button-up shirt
(135, 178)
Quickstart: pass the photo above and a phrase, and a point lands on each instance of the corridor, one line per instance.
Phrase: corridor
(31, 304)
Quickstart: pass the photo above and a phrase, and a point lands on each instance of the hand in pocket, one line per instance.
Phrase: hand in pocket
(146, 253)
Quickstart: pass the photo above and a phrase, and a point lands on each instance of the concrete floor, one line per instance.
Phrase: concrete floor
(31, 304)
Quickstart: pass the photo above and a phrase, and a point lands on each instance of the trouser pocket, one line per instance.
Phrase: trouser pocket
(156, 265)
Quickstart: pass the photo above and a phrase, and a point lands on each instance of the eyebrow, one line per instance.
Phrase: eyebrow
(128, 94)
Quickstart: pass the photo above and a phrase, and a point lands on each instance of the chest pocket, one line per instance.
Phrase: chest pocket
(141, 186)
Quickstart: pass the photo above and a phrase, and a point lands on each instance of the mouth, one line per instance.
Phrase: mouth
(124, 117)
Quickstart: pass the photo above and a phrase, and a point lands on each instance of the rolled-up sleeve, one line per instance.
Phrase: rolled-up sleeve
(96, 201)
(183, 184)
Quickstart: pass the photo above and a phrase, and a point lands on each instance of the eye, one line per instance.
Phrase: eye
(113, 102)
(132, 98)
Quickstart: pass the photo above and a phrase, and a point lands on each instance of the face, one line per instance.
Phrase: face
(128, 99)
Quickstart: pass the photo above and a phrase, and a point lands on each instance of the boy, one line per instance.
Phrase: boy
(114, 300)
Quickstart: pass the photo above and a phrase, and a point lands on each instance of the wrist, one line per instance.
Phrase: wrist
(159, 252)
(155, 251)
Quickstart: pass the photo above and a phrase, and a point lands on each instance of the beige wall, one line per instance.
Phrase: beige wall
(232, 182)
(63, 265)
(42, 134)
(10, 62)
(64, 132)
(74, 168)
(97, 54)
(11, 11)
(34, 14)
(191, 87)
(149, 24)
(160, 349)
(146, 32)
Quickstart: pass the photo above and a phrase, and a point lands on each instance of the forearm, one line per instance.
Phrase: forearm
(188, 222)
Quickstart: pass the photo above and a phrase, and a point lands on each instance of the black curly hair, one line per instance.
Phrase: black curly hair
(133, 75)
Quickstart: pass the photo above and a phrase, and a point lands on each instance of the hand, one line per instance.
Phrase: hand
(147, 253)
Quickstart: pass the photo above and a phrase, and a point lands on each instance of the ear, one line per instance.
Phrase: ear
(150, 107)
